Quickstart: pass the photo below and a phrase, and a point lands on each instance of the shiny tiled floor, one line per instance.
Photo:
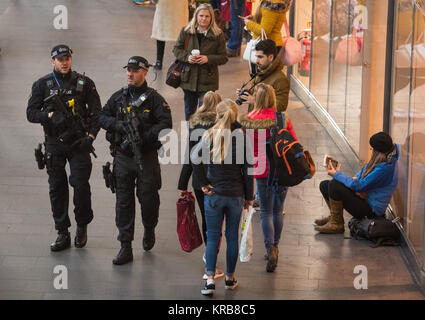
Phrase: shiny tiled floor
(103, 34)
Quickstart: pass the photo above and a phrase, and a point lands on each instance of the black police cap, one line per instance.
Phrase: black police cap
(60, 51)
(137, 62)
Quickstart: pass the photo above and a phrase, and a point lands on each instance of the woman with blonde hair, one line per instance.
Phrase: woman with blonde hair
(228, 187)
(203, 119)
(201, 47)
(259, 122)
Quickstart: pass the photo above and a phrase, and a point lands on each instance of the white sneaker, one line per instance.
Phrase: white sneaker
(208, 289)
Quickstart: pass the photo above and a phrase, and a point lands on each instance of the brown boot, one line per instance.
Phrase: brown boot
(273, 254)
(336, 221)
(324, 220)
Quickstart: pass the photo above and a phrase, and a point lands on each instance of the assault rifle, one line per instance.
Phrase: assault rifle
(131, 126)
(69, 118)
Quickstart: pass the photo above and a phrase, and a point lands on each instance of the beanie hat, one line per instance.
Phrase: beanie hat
(381, 142)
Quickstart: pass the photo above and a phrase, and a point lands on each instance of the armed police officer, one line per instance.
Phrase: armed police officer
(133, 118)
(67, 105)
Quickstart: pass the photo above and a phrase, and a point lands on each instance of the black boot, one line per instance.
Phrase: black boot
(81, 236)
(125, 254)
(62, 242)
(149, 239)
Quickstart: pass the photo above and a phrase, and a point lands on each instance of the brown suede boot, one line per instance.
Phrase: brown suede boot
(336, 221)
(324, 220)
(273, 254)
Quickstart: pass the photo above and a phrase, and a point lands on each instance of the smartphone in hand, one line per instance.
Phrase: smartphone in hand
(328, 159)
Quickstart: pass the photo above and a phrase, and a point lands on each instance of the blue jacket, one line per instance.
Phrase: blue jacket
(379, 184)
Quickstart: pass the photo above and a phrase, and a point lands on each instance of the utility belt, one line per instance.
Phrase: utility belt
(67, 140)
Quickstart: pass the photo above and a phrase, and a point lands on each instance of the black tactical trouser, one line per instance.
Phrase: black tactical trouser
(147, 182)
(80, 166)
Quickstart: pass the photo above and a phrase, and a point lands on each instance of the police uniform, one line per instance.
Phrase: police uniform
(154, 115)
(63, 145)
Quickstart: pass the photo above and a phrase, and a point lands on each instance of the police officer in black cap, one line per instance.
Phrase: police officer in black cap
(135, 164)
(69, 119)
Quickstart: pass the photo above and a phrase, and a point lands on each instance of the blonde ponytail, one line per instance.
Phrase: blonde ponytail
(220, 133)
(209, 102)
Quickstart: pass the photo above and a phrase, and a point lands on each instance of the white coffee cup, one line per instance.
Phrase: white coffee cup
(195, 52)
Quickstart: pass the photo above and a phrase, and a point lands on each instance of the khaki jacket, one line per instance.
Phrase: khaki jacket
(196, 77)
(275, 77)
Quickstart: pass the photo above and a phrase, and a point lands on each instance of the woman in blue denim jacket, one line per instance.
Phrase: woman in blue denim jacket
(365, 195)
(228, 185)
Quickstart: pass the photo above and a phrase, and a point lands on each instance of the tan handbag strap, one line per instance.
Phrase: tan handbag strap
(186, 42)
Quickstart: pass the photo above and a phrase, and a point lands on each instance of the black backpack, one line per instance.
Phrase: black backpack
(286, 156)
(381, 231)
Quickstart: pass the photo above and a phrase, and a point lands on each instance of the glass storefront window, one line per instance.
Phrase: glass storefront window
(302, 27)
(336, 76)
(408, 119)
(320, 53)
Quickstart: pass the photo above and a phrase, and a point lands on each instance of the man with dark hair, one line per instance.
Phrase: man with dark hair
(133, 118)
(267, 46)
(67, 105)
(269, 71)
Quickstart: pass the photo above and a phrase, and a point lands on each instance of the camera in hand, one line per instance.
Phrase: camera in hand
(241, 100)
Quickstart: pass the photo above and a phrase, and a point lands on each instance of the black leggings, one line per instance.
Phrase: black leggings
(356, 206)
(160, 48)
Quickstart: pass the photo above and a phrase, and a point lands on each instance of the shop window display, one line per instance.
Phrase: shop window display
(408, 119)
(337, 59)
(303, 23)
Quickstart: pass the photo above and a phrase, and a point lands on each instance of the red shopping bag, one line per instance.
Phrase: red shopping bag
(187, 225)
(225, 10)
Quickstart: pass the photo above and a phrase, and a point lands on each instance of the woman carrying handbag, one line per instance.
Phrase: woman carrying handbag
(201, 48)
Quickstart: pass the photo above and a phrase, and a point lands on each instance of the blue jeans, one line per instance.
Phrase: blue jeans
(271, 199)
(235, 40)
(216, 207)
(192, 100)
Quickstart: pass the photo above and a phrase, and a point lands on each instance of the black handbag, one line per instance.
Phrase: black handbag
(174, 73)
